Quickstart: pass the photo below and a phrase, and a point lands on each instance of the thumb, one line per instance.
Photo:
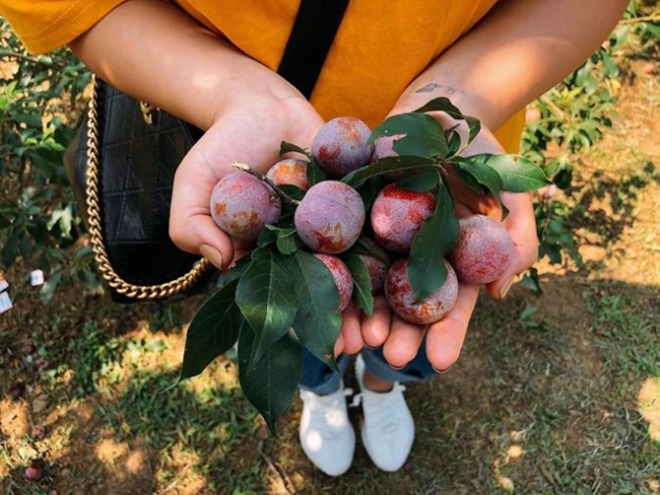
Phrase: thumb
(521, 226)
(191, 226)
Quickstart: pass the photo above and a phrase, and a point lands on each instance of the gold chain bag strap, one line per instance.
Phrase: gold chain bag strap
(180, 285)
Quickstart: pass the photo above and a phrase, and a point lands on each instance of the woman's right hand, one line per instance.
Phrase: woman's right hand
(245, 108)
(249, 130)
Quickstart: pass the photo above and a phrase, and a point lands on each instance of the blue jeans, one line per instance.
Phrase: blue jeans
(317, 377)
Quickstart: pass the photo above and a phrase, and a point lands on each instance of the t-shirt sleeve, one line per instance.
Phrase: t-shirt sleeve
(510, 133)
(43, 25)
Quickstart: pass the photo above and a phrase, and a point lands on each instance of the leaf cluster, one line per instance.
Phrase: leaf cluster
(280, 299)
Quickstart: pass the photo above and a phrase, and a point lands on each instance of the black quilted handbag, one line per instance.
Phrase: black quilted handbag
(122, 170)
(123, 162)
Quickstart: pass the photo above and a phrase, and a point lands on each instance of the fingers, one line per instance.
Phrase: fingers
(376, 327)
(444, 339)
(339, 345)
(521, 225)
(400, 339)
(350, 330)
(402, 345)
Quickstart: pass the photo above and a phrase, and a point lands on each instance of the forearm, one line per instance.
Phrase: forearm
(518, 51)
(155, 52)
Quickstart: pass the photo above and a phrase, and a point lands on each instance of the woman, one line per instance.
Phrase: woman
(214, 64)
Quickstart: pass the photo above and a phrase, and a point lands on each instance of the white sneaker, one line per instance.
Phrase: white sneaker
(326, 434)
(388, 430)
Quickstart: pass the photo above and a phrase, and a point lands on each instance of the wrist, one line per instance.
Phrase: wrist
(425, 89)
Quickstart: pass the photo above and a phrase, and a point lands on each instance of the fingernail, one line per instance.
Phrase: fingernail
(213, 255)
(440, 372)
(399, 368)
(505, 288)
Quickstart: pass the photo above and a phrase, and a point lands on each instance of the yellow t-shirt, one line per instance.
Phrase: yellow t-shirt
(379, 49)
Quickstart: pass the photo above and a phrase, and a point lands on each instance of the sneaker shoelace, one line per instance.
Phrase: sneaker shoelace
(381, 407)
(326, 411)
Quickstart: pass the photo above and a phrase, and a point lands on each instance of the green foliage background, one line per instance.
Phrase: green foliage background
(41, 103)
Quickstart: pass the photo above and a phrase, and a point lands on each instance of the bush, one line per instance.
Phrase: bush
(40, 109)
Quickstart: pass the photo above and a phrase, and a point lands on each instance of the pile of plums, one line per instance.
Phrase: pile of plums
(331, 217)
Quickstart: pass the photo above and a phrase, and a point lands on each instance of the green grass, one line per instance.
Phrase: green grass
(543, 400)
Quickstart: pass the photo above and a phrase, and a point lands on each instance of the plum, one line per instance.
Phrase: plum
(397, 216)
(241, 205)
(340, 146)
(384, 146)
(342, 277)
(33, 472)
(376, 262)
(377, 270)
(289, 171)
(401, 298)
(483, 251)
(330, 217)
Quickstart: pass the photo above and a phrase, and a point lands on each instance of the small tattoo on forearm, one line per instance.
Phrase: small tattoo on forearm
(430, 87)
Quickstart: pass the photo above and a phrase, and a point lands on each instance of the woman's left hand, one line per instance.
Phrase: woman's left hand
(400, 339)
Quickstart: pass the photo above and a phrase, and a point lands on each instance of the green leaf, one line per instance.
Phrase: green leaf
(366, 245)
(270, 383)
(483, 175)
(420, 182)
(286, 147)
(48, 289)
(212, 331)
(236, 271)
(272, 232)
(426, 263)
(518, 174)
(4, 222)
(268, 236)
(531, 281)
(361, 282)
(64, 218)
(294, 191)
(423, 135)
(315, 173)
(443, 104)
(265, 297)
(610, 69)
(470, 181)
(10, 251)
(388, 165)
(370, 190)
(454, 143)
(318, 321)
(288, 241)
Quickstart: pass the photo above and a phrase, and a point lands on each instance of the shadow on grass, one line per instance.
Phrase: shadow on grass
(547, 403)
(605, 206)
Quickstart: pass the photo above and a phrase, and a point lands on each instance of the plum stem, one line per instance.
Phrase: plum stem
(246, 168)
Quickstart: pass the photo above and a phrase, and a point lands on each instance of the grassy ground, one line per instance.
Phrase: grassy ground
(556, 394)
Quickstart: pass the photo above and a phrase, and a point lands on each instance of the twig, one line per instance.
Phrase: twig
(284, 478)
(245, 168)
(31, 59)
(647, 18)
